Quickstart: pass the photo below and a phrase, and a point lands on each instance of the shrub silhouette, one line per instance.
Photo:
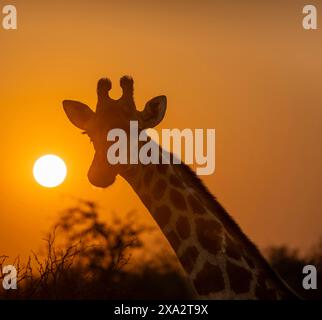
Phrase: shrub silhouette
(86, 258)
(289, 265)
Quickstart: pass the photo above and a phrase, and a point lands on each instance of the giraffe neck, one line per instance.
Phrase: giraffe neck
(219, 260)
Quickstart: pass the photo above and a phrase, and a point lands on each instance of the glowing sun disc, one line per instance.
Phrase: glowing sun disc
(49, 171)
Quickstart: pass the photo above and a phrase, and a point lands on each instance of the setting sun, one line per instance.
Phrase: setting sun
(49, 171)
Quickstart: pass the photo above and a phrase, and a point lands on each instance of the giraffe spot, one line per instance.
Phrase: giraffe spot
(138, 184)
(195, 205)
(189, 257)
(159, 189)
(175, 181)
(262, 292)
(261, 280)
(173, 239)
(249, 261)
(232, 249)
(285, 295)
(131, 172)
(146, 199)
(209, 279)
(177, 199)
(213, 205)
(162, 215)
(239, 278)
(162, 168)
(183, 227)
(148, 176)
(209, 235)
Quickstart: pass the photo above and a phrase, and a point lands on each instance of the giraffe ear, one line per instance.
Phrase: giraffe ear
(153, 112)
(78, 113)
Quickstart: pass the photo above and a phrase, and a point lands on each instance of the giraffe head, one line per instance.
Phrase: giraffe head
(111, 114)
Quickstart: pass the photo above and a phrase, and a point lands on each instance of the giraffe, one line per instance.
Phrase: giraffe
(218, 258)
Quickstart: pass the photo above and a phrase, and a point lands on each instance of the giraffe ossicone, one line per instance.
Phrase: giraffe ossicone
(219, 260)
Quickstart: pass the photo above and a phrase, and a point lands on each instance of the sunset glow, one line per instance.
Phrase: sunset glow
(247, 69)
(49, 171)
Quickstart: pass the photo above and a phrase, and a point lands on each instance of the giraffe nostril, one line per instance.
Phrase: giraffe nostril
(101, 181)
(100, 178)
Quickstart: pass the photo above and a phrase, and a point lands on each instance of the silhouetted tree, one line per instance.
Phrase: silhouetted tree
(86, 258)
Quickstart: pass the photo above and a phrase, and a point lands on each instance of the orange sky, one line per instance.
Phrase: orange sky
(245, 68)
